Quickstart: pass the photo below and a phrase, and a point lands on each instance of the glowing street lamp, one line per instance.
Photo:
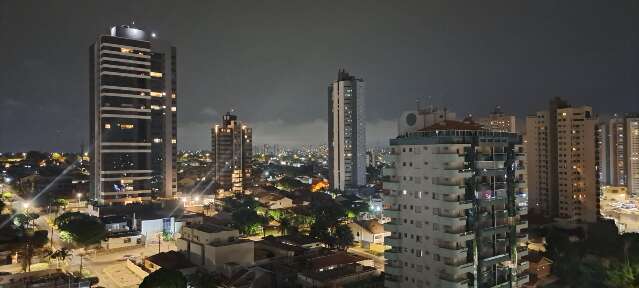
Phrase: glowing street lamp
(79, 196)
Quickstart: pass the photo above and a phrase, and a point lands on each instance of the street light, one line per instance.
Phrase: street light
(79, 195)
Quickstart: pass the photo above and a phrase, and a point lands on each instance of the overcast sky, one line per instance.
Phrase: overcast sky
(271, 61)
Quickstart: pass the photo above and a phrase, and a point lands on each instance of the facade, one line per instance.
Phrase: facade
(231, 153)
(618, 146)
(346, 132)
(562, 163)
(212, 246)
(457, 199)
(499, 122)
(132, 117)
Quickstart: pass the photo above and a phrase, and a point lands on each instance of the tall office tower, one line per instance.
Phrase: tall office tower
(457, 199)
(619, 152)
(133, 117)
(231, 151)
(498, 121)
(562, 172)
(346, 132)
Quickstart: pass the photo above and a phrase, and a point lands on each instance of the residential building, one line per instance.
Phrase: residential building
(132, 117)
(618, 147)
(562, 157)
(231, 153)
(212, 246)
(457, 199)
(346, 132)
(498, 121)
(368, 232)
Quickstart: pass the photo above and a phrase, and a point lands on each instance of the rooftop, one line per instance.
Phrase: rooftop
(209, 228)
(170, 260)
(335, 259)
(372, 226)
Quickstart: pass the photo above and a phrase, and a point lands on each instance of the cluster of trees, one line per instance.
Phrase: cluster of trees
(290, 184)
(604, 258)
(329, 225)
(81, 228)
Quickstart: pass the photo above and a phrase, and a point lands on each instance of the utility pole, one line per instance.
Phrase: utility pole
(159, 242)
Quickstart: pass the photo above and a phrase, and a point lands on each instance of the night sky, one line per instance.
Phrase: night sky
(271, 61)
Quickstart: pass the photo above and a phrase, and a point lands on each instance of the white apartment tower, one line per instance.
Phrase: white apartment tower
(346, 132)
(562, 170)
(457, 199)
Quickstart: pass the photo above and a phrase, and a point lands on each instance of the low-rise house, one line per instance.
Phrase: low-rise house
(368, 231)
(213, 246)
(336, 269)
(170, 260)
(274, 201)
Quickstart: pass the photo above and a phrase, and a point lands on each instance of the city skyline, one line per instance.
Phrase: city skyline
(424, 43)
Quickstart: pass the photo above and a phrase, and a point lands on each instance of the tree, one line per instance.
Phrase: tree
(164, 278)
(343, 236)
(623, 276)
(83, 229)
(248, 221)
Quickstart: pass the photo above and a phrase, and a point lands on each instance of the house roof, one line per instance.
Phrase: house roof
(372, 226)
(170, 260)
(335, 259)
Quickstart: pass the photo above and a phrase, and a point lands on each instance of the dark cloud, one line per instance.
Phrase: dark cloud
(271, 61)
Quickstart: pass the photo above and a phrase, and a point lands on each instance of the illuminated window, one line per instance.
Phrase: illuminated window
(173, 95)
(156, 94)
(126, 126)
(155, 107)
(157, 140)
(173, 109)
(125, 50)
(107, 126)
(156, 74)
(173, 141)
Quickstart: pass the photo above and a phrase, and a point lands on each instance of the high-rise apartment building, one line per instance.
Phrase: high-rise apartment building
(231, 153)
(133, 87)
(562, 170)
(346, 132)
(498, 121)
(619, 152)
(457, 199)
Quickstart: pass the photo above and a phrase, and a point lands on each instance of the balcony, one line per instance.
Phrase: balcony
(451, 220)
(389, 171)
(392, 254)
(522, 251)
(392, 283)
(455, 202)
(392, 227)
(393, 270)
(393, 241)
(495, 259)
(523, 265)
(450, 189)
(392, 213)
(522, 210)
(451, 249)
(457, 267)
(522, 279)
(456, 235)
(391, 185)
(522, 224)
(450, 281)
(446, 157)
